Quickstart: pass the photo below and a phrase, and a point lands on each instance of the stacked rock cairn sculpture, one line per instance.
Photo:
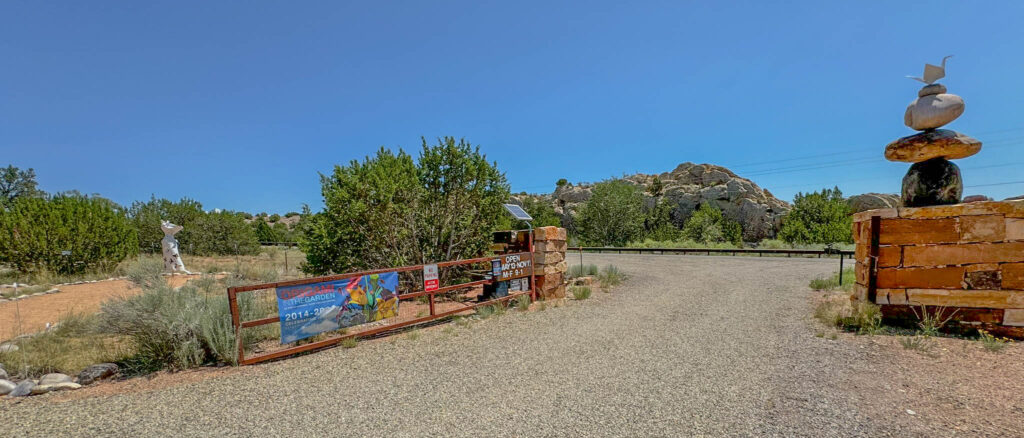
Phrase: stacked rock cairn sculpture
(932, 179)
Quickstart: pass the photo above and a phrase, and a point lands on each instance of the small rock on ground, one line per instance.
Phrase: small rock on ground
(96, 372)
(6, 386)
(24, 388)
(62, 386)
(54, 378)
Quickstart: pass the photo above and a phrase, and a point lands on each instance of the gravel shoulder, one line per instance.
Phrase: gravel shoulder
(690, 345)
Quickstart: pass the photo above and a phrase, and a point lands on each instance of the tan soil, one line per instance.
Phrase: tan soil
(30, 315)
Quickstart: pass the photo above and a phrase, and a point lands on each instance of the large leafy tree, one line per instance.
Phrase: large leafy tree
(65, 234)
(707, 225)
(16, 183)
(818, 217)
(614, 214)
(658, 223)
(392, 210)
(542, 212)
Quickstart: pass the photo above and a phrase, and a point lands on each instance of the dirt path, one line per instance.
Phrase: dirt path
(689, 346)
(30, 315)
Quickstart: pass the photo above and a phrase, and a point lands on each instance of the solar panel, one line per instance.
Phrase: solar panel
(518, 212)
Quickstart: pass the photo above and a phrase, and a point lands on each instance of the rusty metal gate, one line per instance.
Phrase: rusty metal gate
(431, 313)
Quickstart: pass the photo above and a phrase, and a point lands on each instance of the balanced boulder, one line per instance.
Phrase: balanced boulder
(933, 182)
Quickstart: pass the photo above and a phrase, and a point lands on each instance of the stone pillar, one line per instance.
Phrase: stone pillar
(967, 258)
(549, 264)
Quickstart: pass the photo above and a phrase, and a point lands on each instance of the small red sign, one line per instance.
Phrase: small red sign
(430, 281)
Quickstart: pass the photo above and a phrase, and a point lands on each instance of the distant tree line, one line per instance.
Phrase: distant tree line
(618, 214)
(71, 233)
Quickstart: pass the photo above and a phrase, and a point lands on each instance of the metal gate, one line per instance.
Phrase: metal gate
(451, 308)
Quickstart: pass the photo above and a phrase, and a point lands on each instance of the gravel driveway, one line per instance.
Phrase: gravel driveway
(690, 345)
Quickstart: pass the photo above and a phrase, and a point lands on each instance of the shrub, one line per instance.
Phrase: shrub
(922, 344)
(523, 302)
(581, 292)
(831, 282)
(274, 217)
(865, 317)
(224, 233)
(215, 233)
(145, 272)
(65, 234)
(391, 210)
(291, 213)
(707, 225)
(542, 212)
(818, 217)
(576, 271)
(146, 217)
(69, 347)
(611, 276)
(658, 223)
(614, 214)
(930, 323)
(264, 232)
(992, 343)
(860, 316)
(179, 328)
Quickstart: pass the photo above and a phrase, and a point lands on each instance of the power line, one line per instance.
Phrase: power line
(995, 184)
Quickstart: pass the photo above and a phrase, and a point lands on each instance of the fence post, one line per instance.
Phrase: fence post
(840, 269)
(876, 226)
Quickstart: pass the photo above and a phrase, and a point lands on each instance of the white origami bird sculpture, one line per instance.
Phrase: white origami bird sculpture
(933, 73)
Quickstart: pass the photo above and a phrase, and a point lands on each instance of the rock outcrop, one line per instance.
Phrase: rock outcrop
(689, 186)
(873, 201)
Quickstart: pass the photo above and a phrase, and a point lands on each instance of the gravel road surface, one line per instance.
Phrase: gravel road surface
(688, 346)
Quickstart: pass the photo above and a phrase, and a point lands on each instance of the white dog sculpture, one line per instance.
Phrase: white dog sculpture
(172, 259)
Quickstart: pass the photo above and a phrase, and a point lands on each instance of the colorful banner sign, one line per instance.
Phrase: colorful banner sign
(310, 309)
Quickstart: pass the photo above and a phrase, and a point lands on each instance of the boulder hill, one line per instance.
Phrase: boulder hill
(687, 187)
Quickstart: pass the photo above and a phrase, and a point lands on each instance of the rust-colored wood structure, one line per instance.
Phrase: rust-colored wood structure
(239, 325)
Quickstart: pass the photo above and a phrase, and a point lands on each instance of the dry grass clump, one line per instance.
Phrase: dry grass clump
(839, 312)
(576, 271)
(992, 343)
(581, 292)
(73, 344)
(831, 283)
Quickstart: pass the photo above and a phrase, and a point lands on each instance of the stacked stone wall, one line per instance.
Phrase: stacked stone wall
(549, 263)
(967, 257)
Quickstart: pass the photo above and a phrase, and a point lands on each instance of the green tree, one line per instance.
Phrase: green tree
(223, 233)
(818, 217)
(65, 234)
(283, 232)
(391, 210)
(656, 188)
(215, 233)
(146, 217)
(658, 223)
(264, 232)
(614, 214)
(561, 182)
(274, 217)
(707, 225)
(542, 212)
(16, 183)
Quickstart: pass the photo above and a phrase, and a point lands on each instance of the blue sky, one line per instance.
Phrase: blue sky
(240, 105)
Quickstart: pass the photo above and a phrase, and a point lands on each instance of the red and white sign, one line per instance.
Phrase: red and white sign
(430, 281)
